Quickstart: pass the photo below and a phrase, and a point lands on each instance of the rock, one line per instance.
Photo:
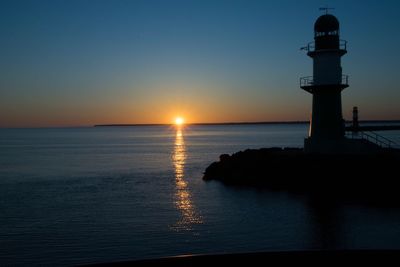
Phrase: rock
(224, 157)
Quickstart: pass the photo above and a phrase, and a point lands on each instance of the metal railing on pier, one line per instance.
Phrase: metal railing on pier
(373, 137)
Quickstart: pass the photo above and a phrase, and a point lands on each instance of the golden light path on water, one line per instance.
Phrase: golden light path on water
(183, 202)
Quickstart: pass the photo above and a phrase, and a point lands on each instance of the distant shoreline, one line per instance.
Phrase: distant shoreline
(233, 123)
(200, 124)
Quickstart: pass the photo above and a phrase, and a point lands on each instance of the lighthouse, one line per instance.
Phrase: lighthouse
(327, 129)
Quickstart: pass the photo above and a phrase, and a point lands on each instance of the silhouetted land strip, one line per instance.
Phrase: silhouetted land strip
(128, 125)
(366, 178)
(204, 124)
(394, 127)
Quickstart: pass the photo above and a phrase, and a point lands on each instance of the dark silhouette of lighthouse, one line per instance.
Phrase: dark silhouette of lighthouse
(327, 127)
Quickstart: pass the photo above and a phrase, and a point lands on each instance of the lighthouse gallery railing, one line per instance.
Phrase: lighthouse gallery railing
(309, 81)
(311, 46)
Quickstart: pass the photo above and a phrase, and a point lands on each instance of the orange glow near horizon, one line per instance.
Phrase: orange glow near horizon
(162, 109)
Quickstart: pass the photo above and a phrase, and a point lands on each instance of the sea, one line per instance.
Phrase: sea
(71, 196)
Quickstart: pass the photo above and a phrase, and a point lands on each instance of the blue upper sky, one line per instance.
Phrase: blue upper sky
(84, 62)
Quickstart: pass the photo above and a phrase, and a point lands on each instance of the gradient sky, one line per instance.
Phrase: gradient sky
(82, 62)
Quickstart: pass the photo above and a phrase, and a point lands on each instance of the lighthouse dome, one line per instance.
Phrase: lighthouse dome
(326, 23)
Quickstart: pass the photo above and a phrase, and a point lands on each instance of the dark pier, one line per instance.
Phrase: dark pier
(373, 128)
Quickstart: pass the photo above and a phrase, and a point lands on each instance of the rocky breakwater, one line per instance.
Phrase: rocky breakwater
(363, 176)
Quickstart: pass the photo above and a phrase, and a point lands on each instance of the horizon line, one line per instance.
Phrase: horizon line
(194, 124)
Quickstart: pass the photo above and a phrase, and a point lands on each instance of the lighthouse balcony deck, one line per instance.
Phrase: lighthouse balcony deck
(312, 48)
(309, 84)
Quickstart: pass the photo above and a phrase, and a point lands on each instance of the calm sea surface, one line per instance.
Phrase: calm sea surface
(87, 195)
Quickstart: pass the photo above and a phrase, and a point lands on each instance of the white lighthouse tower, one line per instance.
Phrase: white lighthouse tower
(327, 129)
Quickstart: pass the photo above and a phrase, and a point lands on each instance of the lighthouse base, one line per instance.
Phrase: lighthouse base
(339, 146)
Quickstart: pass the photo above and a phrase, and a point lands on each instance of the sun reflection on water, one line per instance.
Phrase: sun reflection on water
(183, 201)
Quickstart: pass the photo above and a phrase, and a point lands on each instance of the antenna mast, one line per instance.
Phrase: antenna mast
(326, 9)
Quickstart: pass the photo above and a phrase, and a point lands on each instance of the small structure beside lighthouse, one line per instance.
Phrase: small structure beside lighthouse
(327, 128)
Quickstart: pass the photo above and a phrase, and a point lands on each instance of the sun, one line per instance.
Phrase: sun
(179, 121)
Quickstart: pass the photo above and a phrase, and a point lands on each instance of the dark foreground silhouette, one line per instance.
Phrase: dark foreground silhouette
(315, 258)
(366, 178)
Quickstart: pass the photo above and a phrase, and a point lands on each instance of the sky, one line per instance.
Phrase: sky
(86, 62)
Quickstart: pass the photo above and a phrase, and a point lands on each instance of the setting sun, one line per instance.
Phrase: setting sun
(179, 121)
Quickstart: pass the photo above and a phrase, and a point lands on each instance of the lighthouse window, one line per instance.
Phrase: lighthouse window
(319, 34)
